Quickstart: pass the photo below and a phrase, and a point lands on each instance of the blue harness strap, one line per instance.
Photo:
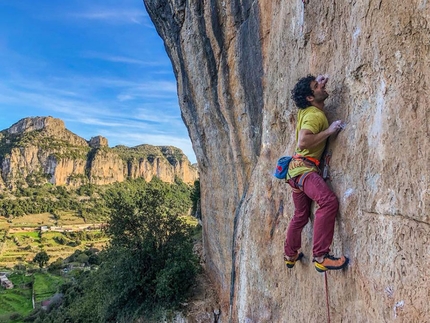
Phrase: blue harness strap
(299, 183)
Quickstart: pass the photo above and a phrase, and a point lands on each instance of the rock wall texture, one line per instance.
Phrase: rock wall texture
(40, 149)
(236, 62)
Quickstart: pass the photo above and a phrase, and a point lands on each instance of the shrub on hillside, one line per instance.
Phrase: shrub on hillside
(148, 265)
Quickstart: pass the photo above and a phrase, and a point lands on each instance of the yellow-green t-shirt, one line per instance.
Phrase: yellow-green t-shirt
(314, 120)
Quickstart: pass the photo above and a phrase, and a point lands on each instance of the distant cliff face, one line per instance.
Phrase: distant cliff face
(235, 63)
(41, 149)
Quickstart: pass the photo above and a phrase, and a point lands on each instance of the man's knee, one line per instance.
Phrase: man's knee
(301, 221)
(331, 201)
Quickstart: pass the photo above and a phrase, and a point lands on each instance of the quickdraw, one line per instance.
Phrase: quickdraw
(326, 168)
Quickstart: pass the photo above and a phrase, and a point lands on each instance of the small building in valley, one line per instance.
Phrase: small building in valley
(5, 282)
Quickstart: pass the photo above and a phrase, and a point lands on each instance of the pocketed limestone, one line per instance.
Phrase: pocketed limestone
(235, 63)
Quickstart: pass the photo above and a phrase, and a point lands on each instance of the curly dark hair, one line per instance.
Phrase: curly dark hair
(301, 90)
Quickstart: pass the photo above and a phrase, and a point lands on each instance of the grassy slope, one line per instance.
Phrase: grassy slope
(45, 285)
(17, 300)
(21, 246)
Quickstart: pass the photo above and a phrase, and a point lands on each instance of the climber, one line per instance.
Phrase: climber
(312, 132)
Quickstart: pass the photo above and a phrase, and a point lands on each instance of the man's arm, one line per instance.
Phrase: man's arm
(307, 139)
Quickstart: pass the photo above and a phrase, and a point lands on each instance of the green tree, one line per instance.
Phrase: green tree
(94, 259)
(82, 258)
(57, 264)
(148, 265)
(41, 258)
(160, 265)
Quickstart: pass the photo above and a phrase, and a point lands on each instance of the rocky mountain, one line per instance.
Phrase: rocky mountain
(236, 63)
(41, 149)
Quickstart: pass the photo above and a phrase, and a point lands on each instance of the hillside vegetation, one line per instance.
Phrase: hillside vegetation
(138, 236)
(147, 267)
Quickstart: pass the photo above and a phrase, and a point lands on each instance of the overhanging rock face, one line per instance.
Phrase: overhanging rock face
(235, 63)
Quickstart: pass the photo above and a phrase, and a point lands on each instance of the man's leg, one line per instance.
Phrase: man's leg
(316, 188)
(293, 241)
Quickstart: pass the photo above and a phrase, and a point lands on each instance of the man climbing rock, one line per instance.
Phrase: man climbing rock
(312, 132)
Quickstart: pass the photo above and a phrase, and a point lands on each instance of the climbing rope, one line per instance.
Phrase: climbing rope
(326, 294)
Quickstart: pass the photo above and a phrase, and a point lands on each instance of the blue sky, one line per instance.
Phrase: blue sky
(98, 65)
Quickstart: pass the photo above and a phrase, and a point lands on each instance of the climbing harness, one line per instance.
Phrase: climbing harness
(310, 161)
(298, 185)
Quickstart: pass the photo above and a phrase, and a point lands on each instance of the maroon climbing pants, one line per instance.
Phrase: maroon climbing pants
(314, 189)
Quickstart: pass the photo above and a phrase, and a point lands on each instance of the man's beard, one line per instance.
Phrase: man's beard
(322, 97)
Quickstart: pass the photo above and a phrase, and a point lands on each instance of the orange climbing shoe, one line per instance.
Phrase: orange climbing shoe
(331, 263)
(291, 261)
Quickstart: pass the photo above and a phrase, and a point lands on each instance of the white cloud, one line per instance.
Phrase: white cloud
(161, 90)
(125, 97)
(94, 121)
(123, 59)
(112, 16)
(147, 114)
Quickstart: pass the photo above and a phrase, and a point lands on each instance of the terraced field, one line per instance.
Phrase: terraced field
(16, 302)
(45, 285)
(21, 238)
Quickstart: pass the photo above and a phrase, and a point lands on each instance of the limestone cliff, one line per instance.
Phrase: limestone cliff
(235, 64)
(41, 149)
